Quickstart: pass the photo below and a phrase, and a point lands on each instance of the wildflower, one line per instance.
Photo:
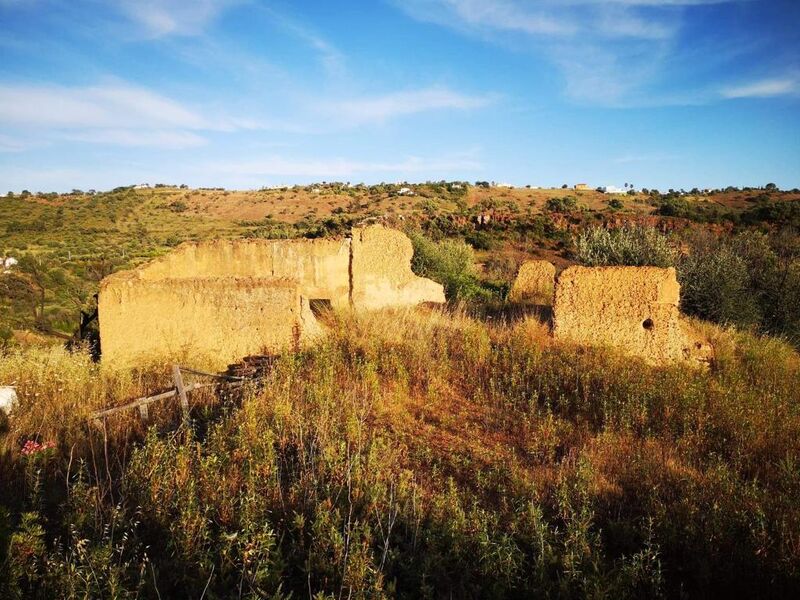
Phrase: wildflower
(34, 447)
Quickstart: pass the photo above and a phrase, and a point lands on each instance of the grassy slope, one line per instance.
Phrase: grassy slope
(440, 457)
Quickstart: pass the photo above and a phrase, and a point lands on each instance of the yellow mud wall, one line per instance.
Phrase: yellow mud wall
(535, 283)
(634, 309)
(220, 319)
(322, 267)
(381, 271)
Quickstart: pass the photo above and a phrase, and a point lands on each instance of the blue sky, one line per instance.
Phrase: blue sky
(242, 94)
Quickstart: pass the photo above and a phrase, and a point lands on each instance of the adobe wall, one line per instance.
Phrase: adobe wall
(223, 319)
(381, 269)
(322, 267)
(535, 283)
(232, 298)
(631, 308)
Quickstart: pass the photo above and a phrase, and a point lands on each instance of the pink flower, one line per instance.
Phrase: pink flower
(34, 447)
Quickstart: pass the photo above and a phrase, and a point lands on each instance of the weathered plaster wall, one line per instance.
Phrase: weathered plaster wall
(227, 299)
(221, 318)
(535, 283)
(320, 266)
(631, 308)
(381, 269)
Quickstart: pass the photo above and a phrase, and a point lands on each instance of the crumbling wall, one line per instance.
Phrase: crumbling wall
(535, 283)
(631, 308)
(222, 318)
(381, 271)
(321, 266)
(230, 298)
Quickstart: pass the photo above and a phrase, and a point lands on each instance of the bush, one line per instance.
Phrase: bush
(449, 262)
(615, 204)
(715, 285)
(632, 245)
(562, 205)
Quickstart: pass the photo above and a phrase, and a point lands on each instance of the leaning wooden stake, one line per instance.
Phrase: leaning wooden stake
(176, 375)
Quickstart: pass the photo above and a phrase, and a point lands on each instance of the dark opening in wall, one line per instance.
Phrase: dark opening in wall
(648, 324)
(321, 307)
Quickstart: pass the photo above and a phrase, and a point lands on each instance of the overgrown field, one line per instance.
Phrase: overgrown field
(411, 455)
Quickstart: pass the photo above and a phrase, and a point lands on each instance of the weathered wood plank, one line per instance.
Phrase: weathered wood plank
(176, 375)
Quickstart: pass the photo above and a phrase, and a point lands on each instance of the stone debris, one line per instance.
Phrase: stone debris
(8, 398)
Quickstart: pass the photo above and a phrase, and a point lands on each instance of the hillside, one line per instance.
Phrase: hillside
(452, 452)
(71, 241)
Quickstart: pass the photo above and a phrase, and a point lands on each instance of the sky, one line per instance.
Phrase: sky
(243, 94)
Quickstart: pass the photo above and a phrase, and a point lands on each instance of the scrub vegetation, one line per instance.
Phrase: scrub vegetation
(458, 452)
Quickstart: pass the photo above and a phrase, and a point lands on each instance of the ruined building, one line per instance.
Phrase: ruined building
(633, 309)
(226, 299)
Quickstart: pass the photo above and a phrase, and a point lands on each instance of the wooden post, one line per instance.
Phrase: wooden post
(181, 391)
(143, 413)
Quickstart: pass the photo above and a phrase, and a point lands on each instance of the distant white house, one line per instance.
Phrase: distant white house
(405, 191)
(612, 189)
(142, 186)
(504, 185)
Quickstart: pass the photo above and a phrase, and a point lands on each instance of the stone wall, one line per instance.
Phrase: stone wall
(535, 283)
(217, 319)
(634, 309)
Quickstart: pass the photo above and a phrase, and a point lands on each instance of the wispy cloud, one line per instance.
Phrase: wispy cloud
(397, 104)
(337, 167)
(115, 113)
(173, 17)
(608, 51)
(764, 88)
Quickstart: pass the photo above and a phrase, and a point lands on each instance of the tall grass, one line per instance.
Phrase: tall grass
(440, 456)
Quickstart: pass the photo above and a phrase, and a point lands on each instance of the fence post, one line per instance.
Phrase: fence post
(181, 391)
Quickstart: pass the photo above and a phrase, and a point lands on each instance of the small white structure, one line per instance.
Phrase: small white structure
(142, 186)
(612, 189)
(8, 263)
(8, 398)
(405, 191)
(504, 185)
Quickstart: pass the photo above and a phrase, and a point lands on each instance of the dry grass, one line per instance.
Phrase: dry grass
(416, 454)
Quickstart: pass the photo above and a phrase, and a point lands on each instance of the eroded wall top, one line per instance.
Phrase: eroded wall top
(320, 266)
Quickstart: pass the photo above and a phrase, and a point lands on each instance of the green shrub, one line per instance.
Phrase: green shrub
(562, 205)
(616, 204)
(715, 285)
(449, 262)
(632, 245)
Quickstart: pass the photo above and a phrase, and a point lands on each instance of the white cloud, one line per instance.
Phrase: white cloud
(609, 51)
(114, 105)
(116, 113)
(169, 139)
(173, 17)
(764, 88)
(342, 167)
(397, 104)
